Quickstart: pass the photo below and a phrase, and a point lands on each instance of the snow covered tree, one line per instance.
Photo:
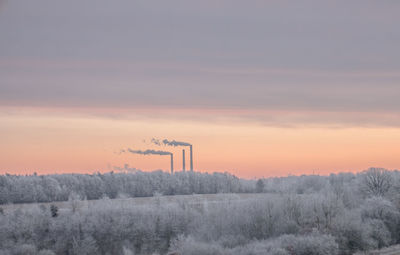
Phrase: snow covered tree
(376, 182)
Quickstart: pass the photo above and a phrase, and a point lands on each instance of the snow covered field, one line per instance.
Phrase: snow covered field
(191, 200)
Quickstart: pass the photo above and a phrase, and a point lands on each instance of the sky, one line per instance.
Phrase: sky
(260, 88)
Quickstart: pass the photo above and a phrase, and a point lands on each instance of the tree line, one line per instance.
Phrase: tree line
(295, 215)
(59, 187)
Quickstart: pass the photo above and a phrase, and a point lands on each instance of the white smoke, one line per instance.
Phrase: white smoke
(155, 141)
(169, 143)
(147, 152)
(126, 168)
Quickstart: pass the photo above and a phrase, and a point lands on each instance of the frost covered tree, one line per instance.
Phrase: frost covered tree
(318, 215)
(376, 182)
(260, 186)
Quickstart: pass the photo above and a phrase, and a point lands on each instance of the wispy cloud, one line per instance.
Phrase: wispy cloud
(271, 118)
(224, 59)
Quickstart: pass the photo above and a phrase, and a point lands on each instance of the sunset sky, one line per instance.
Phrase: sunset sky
(260, 88)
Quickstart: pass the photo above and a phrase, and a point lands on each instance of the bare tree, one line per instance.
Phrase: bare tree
(376, 181)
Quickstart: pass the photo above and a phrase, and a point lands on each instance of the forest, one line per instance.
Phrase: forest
(59, 187)
(310, 214)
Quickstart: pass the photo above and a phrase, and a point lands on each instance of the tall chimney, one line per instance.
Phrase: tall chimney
(183, 161)
(172, 163)
(191, 158)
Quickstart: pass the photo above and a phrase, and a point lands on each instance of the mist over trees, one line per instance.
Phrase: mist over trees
(301, 215)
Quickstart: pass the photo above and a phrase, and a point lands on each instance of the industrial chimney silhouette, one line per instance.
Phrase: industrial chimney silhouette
(172, 163)
(175, 143)
(191, 158)
(183, 161)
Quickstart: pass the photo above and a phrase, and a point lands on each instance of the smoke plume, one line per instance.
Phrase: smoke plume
(174, 143)
(155, 141)
(169, 143)
(126, 168)
(149, 152)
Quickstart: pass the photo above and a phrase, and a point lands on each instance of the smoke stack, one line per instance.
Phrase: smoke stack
(172, 163)
(191, 158)
(175, 143)
(183, 161)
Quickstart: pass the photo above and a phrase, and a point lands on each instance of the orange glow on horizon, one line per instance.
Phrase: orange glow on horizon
(47, 142)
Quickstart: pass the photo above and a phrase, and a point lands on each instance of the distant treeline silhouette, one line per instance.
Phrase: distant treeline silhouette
(59, 187)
